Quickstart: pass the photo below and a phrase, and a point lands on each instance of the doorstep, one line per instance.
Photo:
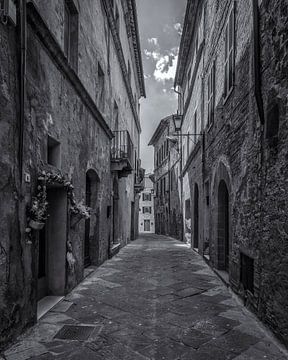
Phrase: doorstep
(114, 250)
(46, 304)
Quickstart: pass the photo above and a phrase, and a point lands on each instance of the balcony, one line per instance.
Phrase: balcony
(122, 153)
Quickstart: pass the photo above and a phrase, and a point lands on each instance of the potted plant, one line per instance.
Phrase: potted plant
(38, 210)
(79, 211)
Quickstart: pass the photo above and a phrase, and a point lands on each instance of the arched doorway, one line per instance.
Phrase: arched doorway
(196, 218)
(223, 226)
(90, 238)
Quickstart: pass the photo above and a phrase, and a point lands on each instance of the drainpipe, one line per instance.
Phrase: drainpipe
(257, 61)
(181, 165)
(260, 107)
(22, 83)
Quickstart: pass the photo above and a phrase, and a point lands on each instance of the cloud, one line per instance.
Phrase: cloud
(153, 41)
(166, 66)
(178, 28)
(155, 55)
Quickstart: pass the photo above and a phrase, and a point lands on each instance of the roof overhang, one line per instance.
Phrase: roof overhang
(162, 125)
(188, 30)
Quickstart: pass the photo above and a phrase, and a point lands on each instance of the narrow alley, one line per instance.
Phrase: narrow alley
(156, 299)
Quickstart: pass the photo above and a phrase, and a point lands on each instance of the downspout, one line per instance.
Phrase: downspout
(260, 108)
(257, 61)
(22, 85)
(181, 165)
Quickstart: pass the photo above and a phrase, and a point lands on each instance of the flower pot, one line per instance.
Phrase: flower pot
(75, 218)
(36, 225)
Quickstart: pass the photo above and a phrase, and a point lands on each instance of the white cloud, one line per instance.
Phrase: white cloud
(178, 28)
(166, 68)
(155, 55)
(153, 41)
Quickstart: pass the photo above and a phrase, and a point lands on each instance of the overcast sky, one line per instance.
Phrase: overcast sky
(160, 25)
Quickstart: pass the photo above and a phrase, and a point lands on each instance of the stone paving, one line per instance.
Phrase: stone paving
(156, 299)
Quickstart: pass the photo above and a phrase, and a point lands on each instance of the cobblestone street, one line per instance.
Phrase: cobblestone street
(156, 299)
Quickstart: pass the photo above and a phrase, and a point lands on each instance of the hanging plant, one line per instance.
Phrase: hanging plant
(38, 212)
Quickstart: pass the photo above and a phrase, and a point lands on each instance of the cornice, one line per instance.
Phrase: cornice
(133, 32)
(42, 31)
(163, 123)
(185, 44)
(120, 54)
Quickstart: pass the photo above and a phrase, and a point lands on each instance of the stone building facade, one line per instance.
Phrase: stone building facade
(167, 164)
(70, 80)
(146, 207)
(235, 174)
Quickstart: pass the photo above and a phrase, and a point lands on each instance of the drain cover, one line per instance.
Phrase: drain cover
(72, 332)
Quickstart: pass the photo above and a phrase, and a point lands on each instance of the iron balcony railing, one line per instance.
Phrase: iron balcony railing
(122, 147)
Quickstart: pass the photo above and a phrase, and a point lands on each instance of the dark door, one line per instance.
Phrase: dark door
(42, 264)
(146, 225)
(132, 221)
(223, 227)
(196, 217)
(87, 260)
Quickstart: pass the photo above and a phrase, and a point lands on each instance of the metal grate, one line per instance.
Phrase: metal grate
(73, 332)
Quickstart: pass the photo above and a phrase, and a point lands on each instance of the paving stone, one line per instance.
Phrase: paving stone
(154, 300)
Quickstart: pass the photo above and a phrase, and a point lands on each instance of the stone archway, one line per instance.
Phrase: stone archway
(221, 215)
(223, 223)
(196, 218)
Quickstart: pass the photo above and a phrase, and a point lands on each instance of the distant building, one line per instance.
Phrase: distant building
(232, 79)
(167, 165)
(146, 207)
(70, 82)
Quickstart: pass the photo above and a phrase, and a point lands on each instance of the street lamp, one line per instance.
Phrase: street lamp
(177, 119)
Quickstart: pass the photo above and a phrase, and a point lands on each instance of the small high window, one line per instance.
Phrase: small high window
(117, 18)
(53, 152)
(146, 196)
(211, 94)
(147, 210)
(272, 124)
(71, 33)
(101, 88)
(229, 63)
(129, 72)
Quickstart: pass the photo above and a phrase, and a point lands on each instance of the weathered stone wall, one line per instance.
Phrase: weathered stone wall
(274, 230)
(168, 215)
(15, 255)
(250, 157)
(65, 105)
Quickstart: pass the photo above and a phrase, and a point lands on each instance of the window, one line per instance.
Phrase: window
(129, 75)
(101, 88)
(229, 63)
(53, 152)
(195, 126)
(117, 18)
(211, 94)
(115, 124)
(272, 124)
(189, 77)
(146, 196)
(71, 33)
(147, 210)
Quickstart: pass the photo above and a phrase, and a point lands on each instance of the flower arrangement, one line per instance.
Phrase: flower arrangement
(38, 212)
(81, 209)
